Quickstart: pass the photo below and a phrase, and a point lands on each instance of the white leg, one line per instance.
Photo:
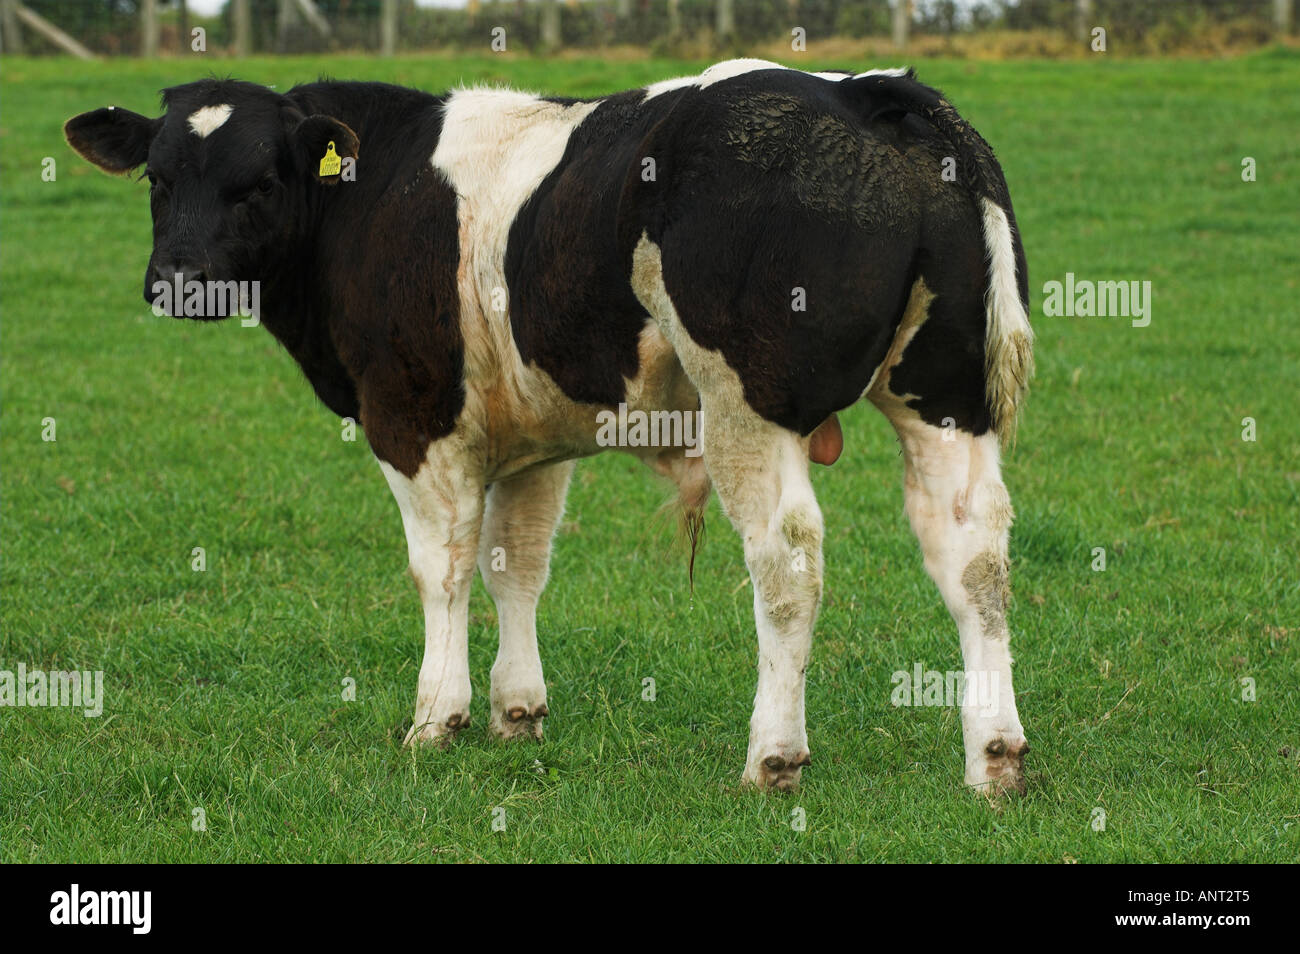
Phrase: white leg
(959, 508)
(767, 495)
(514, 557)
(761, 474)
(442, 506)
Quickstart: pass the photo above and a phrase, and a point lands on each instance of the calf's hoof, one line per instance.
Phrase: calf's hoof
(437, 733)
(518, 721)
(1000, 769)
(777, 772)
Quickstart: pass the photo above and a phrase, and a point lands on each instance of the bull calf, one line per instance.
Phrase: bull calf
(762, 245)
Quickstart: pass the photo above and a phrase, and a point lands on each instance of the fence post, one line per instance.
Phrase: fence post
(725, 25)
(902, 21)
(1082, 20)
(285, 16)
(388, 27)
(148, 28)
(13, 38)
(550, 25)
(243, 27)
(1282, 16)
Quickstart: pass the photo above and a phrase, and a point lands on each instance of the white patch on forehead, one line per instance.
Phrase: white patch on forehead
(204, 122)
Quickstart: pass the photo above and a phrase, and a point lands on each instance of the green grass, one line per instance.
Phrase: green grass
(223, 687)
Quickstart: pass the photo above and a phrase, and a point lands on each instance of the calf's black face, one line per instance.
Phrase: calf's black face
(233, 172)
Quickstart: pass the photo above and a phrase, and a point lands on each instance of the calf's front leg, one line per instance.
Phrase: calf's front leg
(442, 509)
(514, 557)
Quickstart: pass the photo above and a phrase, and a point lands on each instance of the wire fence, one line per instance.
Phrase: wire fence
(683, 27)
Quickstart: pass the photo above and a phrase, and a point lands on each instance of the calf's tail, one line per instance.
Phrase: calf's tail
(1008, 337)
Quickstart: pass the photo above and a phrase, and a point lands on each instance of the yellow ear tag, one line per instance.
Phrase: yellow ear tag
(331, 164)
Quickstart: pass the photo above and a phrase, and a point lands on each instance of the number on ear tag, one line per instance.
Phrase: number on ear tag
(331, 164)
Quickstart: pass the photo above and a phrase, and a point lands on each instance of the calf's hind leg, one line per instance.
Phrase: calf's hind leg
(960, 511)
(760, 471)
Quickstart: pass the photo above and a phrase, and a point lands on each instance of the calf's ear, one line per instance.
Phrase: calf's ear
(323, 142)
(116, 140)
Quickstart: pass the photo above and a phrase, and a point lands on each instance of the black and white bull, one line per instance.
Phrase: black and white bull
(761, 245)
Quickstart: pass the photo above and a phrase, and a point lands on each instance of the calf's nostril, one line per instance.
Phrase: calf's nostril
(189, 271)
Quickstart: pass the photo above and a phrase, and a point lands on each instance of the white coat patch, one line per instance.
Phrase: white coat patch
(899, 71)
(204, 122)
(729, 68)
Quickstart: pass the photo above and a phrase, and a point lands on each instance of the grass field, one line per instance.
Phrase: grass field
(223, 687)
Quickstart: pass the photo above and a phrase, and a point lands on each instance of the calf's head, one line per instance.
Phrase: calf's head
(232, 168)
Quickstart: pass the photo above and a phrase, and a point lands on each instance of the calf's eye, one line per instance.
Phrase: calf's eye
(266, 185)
